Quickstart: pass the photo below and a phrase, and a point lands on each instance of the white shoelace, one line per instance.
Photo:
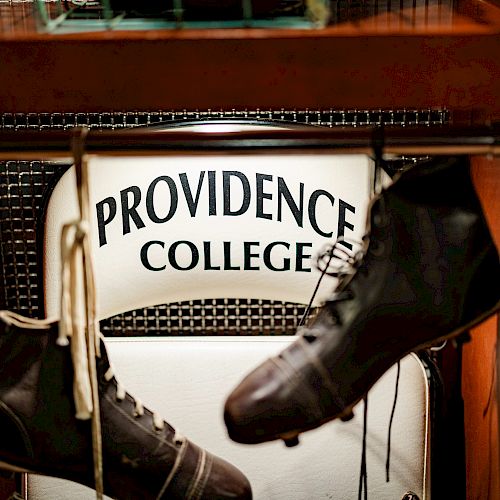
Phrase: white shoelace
(79, 317)
(158, 421)
(12, 318)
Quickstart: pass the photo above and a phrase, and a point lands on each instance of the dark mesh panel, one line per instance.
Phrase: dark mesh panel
(22, 187)
(209, 317)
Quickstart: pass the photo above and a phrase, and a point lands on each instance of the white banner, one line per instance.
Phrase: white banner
(173, 228)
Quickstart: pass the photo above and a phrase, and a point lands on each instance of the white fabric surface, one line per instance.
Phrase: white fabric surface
(339, 187)
(187, 380)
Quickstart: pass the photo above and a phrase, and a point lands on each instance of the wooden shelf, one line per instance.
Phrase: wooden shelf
(412, 58)
(432, 56)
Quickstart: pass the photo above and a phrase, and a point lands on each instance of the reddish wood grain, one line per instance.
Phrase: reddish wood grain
(395, 72)
(479, 388)
(416, 59)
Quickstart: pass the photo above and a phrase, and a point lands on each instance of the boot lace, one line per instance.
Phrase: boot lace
(79, 317)
(158, 422)
(337, 260)
(344, 257)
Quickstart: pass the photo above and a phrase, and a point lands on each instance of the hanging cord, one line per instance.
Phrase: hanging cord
(378, 143)
(344, 264)
(346, 261)
(349, 260)
(79, 309)
(363, 473)
(488, 413)
(328, 254)
(493, 381)
(388, 456)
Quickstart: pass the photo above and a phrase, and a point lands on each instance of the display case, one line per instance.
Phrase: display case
(407, 65)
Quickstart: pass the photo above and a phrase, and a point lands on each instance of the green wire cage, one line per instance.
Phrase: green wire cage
(65, 16)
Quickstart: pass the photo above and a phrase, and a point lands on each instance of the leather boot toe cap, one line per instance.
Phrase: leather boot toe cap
(226, 481)
(263, 399)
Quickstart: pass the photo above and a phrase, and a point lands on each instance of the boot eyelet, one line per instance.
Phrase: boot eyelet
(309, 337)
(379, 220)
(377, 248)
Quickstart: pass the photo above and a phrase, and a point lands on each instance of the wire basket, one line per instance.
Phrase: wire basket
(65, 16)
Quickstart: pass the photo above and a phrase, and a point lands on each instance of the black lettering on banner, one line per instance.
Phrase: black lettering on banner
(226, 188)
(300, 256)
(172, 257)
(190, 259)
(267, 256)
(343, 206)
(227, 258)
(191, 203)
(261, 196)
(130, 211)
(208, 258)
(102, 221)
(150, 199)
(248, 255)
(312, 210)
(145, 258)
(212, 193)
(297, 210)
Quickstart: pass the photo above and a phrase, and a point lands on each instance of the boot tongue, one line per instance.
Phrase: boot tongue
(103, 357)
(106, 371)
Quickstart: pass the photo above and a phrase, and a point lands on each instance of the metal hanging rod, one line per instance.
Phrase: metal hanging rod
(446, 140)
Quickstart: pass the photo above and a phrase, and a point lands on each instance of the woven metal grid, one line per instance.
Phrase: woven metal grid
(326, 118)
(22, 184)
(25, 184)
(209, 317)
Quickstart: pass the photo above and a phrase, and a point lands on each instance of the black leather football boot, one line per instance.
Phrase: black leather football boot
(143, 456)
(429, 271)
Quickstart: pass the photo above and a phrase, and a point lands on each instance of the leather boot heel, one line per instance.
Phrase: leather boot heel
(290, 439)
(347, 416)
